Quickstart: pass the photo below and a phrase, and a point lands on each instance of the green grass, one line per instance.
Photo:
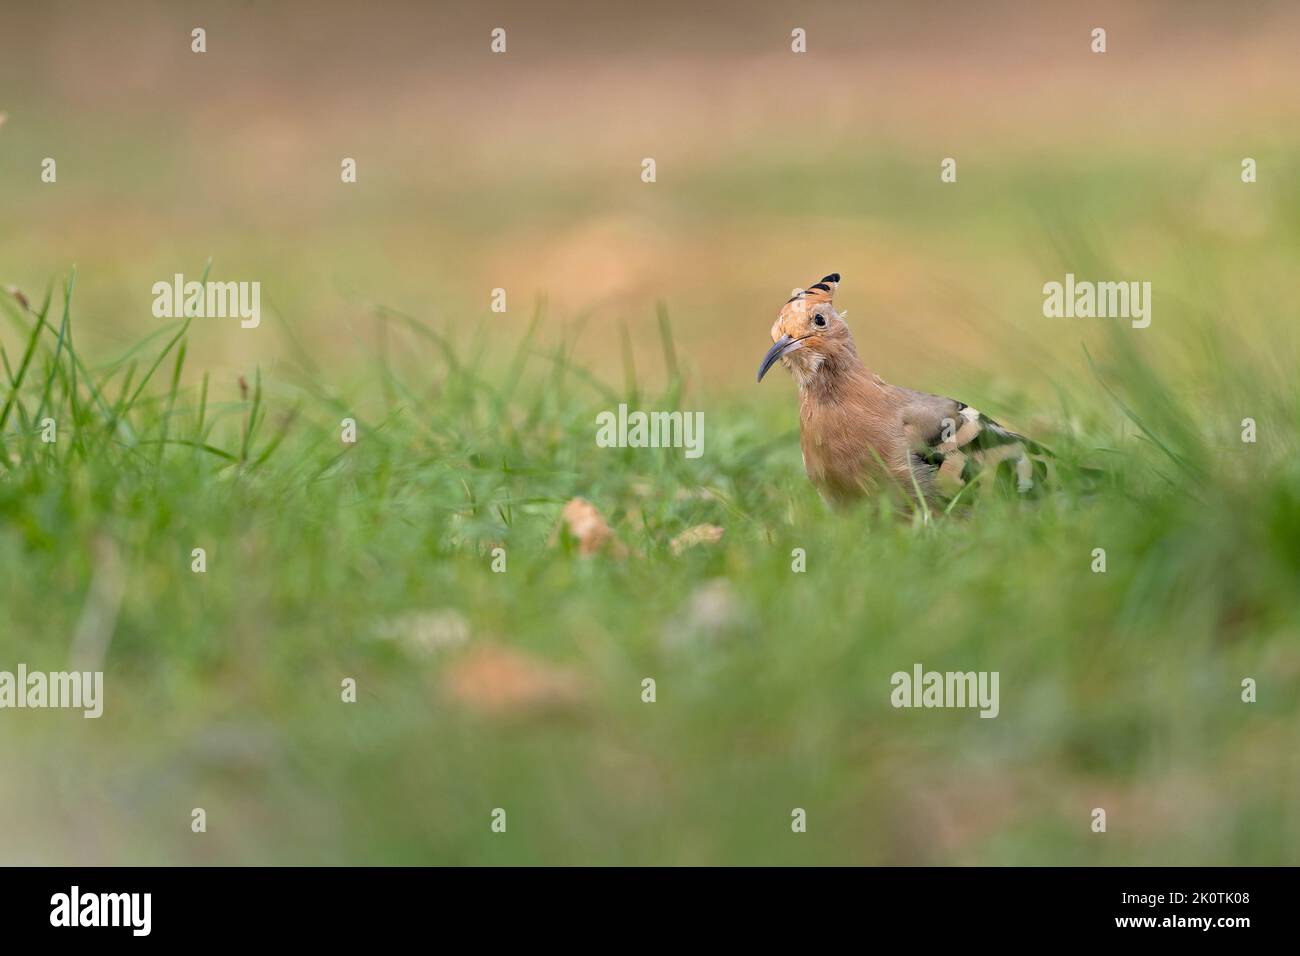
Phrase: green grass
(1118, 690)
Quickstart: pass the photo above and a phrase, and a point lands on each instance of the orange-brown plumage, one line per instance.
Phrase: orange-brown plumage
(860, 434)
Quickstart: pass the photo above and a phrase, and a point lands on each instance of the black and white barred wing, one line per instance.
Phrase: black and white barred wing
(954, 443)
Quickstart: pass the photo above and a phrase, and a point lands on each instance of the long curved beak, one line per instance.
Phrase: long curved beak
(779, 348)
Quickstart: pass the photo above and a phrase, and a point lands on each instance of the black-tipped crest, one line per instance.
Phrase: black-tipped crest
(823, 288)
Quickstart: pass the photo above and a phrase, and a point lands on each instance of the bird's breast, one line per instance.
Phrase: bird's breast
(843, 449)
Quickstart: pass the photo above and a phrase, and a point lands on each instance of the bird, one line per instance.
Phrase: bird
(862, 436)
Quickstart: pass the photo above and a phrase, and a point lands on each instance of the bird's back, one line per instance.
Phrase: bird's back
(915, 441)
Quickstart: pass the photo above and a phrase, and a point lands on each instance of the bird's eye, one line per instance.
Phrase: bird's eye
(819, 321)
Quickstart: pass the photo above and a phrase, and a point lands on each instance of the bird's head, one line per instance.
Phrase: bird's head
(808, 332)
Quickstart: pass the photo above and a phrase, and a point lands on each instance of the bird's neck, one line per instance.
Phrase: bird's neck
(840, 374)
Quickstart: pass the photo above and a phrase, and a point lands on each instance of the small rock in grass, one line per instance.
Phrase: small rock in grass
(699, 534)
(498, 681)
(424, 633)
(585, 525)
(712, 611)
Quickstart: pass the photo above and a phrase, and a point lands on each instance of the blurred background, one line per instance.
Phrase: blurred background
(523, 171)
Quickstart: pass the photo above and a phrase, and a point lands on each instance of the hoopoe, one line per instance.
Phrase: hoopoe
(859, 433)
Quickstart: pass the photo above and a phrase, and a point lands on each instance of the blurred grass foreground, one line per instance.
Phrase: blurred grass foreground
(203, 529)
